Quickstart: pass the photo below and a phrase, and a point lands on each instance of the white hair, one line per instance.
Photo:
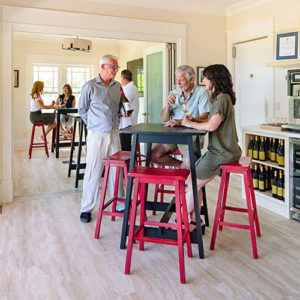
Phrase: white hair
(188, 72)
(106, 58)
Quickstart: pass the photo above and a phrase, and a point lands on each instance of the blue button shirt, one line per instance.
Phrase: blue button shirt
(99, 105)
(196, 104)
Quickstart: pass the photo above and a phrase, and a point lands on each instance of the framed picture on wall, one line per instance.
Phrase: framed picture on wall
(287, 45)
(200, 75)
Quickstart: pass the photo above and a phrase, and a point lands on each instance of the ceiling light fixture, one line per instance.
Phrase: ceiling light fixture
(77, 44)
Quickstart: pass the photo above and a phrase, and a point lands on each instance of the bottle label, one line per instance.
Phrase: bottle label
(255, 183)
(261, 185)
(280, 192)
(262, 155)
(273, 156)
(274, 189)
(255, 154)
(281, 161)
(250, 152)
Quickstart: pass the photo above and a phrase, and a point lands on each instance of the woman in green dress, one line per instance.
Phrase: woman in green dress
(223, 141)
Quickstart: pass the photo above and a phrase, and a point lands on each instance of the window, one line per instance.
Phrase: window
(49, 75)
(56, 76)
(77, 76)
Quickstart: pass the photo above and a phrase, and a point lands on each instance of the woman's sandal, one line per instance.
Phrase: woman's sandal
(195, 224)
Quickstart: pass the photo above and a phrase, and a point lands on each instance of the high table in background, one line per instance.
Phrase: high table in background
(56, 143)
(82, 133)
(158, 133)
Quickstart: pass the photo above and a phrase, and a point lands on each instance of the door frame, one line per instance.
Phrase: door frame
(22, 19)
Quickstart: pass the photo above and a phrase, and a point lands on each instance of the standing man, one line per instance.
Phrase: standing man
(99, 109)
(186, 99)
(131, 93)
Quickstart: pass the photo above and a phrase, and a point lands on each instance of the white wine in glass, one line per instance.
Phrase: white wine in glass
(185, 110)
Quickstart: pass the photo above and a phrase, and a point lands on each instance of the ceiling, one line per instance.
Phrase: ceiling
(206, 7)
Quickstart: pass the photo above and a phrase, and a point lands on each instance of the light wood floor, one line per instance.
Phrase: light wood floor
(46, 253)
(42, 175)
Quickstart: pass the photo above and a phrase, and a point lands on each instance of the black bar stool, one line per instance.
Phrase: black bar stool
(78, 165)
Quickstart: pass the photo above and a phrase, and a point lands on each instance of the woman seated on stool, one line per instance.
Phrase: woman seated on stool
(36, 106)
(66, 100)
(223, 141)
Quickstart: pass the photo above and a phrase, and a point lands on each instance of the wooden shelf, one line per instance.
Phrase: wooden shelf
(268, 163)
(285, 63)
(271, 198)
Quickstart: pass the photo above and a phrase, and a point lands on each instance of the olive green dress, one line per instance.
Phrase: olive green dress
(223, 143)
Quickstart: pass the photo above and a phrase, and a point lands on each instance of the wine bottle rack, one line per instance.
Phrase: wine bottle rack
(265, 198)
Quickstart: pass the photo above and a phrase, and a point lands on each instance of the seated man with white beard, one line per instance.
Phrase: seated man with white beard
(186, 99)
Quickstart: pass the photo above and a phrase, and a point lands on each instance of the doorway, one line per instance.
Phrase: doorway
(40, 175)
(66, 23)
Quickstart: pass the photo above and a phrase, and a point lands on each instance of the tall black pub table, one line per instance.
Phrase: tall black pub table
(158, 133)
(56, 143)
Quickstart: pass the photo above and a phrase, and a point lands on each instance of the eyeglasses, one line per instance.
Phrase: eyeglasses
(114, 67)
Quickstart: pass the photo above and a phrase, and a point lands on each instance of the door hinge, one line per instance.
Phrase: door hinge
(233, 51)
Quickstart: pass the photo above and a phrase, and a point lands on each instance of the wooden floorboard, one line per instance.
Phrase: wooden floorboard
(46, 253)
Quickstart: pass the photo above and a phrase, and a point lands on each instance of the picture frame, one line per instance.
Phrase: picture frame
(16, 78)
(287, 45)
(200, 76)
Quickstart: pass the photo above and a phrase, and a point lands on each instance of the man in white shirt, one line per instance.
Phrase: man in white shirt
(131, 93)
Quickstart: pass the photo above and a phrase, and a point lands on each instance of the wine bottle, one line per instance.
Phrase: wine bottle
(255, 148)
(281, 154)
(274, 185)
(277, 151)
(261, 179)
(267, 178)
(262, 149)
(280, 185)
(255, 177)
(250, 147)
(268, 150)
(124, 104)
(273, 150)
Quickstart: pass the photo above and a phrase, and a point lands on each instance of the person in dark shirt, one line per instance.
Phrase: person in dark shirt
(66, 100)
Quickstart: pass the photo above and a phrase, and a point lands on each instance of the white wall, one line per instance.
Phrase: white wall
(278, 16)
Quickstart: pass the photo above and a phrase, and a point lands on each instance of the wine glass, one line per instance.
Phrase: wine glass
(185, 109)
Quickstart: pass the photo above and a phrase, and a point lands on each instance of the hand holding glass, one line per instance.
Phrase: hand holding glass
(172, 97)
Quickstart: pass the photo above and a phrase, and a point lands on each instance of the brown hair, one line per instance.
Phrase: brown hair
(37, 88)
(69, 89)
(221, 81)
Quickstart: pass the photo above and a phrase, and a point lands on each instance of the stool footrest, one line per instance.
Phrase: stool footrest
(235, 225)
(109, 202)
(157, 240)
(239, 209)
(41, 145)
(113, 214)
(161, 224)
(160, 190)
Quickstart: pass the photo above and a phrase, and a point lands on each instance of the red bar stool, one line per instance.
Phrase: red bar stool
(160, 188)
(140, 158)
(251, 210)
(176, 178)
(38, 144)
(120, 160)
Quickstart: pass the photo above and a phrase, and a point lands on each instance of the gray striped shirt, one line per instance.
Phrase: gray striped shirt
(99, 105)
